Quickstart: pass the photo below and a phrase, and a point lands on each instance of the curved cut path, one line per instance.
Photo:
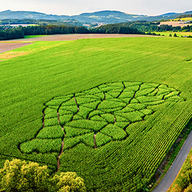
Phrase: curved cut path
(176, 166)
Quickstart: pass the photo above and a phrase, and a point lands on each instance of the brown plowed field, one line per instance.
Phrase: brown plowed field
(10, 46)
(79, 36)
(175, 23)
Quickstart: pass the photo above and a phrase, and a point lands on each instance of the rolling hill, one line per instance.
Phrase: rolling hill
(107, 16)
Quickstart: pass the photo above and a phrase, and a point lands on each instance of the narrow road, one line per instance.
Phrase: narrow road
(176, 166)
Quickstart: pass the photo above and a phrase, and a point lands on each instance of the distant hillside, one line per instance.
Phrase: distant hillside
(105, 17)
(67, 22)
(110, 17)
(8, 14)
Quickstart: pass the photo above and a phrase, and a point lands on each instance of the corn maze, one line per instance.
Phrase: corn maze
(108, 109)
(97, 116)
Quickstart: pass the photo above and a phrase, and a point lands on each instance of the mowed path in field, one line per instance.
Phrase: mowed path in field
(176, 166)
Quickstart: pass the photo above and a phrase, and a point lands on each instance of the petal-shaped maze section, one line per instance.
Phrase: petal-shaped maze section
(97, 116)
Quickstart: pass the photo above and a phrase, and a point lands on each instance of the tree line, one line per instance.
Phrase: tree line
(134, 27)
(145, 26)
(14, 33)
(115, 28)
(20, 32)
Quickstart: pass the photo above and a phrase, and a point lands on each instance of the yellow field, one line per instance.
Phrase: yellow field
(183, 19)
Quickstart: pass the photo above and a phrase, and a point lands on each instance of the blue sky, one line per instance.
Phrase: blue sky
(74, 7)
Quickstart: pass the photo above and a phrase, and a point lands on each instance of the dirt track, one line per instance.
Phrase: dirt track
(10, 46)
(70, 37)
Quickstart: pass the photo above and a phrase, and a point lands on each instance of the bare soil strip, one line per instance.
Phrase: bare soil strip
(58, 158)
(10, 46)
(94, 138)
(70, 37)
(62, 144)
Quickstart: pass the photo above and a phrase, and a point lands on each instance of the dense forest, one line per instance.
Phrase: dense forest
(115, 28)
(14, 33)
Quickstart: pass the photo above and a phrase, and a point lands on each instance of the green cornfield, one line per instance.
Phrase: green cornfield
(107, 109)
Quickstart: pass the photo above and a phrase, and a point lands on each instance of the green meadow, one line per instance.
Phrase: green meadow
(133, 94)
(33, 36)
(179, 34)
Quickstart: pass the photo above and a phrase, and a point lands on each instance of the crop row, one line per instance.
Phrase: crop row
(145, 153)
(57, 81)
